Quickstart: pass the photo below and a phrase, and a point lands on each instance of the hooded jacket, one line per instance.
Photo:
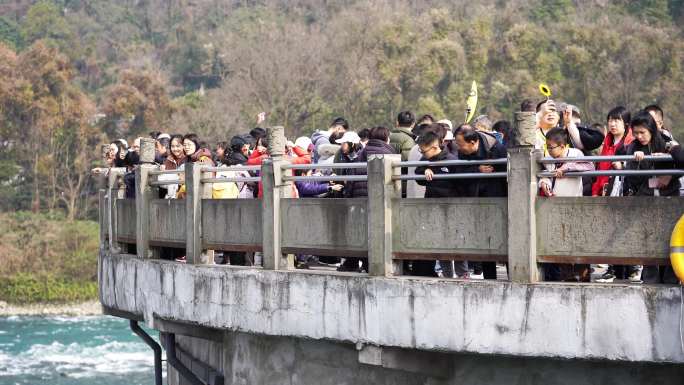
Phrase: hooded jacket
(439, 188)
(373, 147)
(488, 148)
(318, 138)
(403, 140)
(609, 149)
(203, 155)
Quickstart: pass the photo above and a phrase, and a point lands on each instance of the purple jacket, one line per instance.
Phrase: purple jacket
(311, 189)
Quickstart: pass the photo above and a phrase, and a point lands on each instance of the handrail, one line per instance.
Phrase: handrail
(166, 172)
(450, 163)
(166, 182)
(231, 168)
(469, 175)
(233, 179)
(616, 158)
(316, 166)
(330, 178)
(550, 174)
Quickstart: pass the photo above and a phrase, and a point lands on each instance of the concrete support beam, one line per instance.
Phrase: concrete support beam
(522, 195)
(381, 190)
(143, 195)
(193, 214)
(413, 361)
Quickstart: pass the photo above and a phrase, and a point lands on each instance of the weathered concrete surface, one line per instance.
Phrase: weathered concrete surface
(224, 222)
(270, 360)
(614, 322)
(124, 218)
(628, 227)
(167, 221)
(467, 226)
(325, 224)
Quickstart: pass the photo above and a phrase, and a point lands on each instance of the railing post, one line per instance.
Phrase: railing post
(114, 192)
(102, 216)
(143, 195)
(381, 190)
(522, 195)
(273, 190)
(193, 214)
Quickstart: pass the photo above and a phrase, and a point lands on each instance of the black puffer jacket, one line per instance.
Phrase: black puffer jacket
(488, 148)
(373, 147)
(439, 188)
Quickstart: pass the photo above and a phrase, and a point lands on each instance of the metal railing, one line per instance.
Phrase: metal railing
(615, 158)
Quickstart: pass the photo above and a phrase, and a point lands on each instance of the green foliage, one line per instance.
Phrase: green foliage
(551, 11)
(654, 11)
(44, 258)
(26, 288)
(9, 33)
(44, 21)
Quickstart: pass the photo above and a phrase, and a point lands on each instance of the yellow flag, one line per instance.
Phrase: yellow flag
(471, 102)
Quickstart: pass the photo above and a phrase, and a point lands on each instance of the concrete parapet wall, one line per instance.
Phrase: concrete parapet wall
(464, 226)
(325, 226)
(613, 322)
(627, 227)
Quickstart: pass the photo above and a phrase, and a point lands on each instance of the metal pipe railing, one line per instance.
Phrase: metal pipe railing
(616, 158)
(423, 163)
(329, 178)
(470, 175)
(165, 182)
(325, 166)
(550, 174)
(165, 172)
(231, 168)
(234, 179)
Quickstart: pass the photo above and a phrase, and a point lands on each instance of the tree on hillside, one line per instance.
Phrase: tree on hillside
(138, 102)
(47, 127)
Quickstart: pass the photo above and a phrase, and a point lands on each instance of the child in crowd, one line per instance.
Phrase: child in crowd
(558, 185)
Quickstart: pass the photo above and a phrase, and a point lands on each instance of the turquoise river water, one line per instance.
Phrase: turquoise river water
(73, 351)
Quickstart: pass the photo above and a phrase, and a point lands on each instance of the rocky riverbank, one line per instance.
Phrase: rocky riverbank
(48, 309)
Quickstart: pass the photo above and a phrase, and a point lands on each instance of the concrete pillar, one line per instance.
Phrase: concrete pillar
(273, 190)
(147, 150)
(381, 190)
(143, 195)
(102, 216)
(115, 190)
(522, 195)
(193, 214)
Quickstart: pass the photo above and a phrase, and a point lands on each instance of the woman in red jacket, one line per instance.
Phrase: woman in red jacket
(619, 135)
(261, 152)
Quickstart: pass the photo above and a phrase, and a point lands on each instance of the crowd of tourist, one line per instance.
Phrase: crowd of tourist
(561, 133)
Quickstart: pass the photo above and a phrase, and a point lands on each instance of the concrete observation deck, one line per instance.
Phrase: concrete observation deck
(428, 327)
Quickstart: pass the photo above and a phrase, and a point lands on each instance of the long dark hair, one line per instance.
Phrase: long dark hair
(644, 119)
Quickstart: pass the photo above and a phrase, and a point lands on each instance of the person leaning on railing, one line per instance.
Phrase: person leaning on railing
(377, 144)
(477, 145)
(430, 145)
(648, 141)
(560, 185)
